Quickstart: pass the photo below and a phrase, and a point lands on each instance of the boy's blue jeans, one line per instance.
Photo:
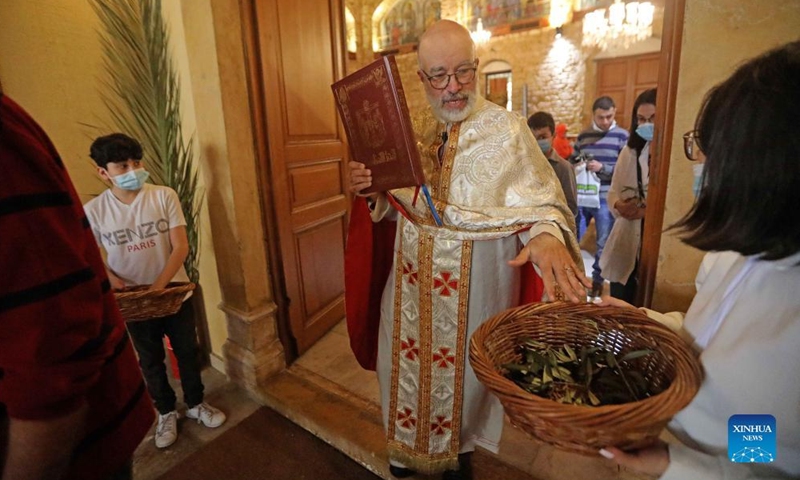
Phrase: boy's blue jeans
(603, 222)
(147, 337)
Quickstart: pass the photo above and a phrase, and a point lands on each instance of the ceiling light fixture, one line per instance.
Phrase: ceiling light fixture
(620, 26)
(480, 36)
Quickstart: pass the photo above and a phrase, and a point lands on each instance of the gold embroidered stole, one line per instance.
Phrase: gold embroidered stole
(430, 328)
(428, 349)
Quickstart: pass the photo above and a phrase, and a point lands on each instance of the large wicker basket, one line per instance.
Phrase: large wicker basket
(138, 303)
(673, 368)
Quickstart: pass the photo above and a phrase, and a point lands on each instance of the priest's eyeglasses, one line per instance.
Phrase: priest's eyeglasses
(691, 147)
(463, 75)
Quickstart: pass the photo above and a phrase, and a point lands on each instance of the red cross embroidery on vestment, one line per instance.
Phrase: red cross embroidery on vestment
(406, 418)
(443, 358)
(409, 348)
(445, 283)
(408, 269)
(441, 425)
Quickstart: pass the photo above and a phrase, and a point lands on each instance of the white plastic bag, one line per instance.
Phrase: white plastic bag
(588, 186)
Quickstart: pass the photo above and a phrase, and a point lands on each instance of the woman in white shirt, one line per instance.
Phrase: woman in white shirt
(745, 319)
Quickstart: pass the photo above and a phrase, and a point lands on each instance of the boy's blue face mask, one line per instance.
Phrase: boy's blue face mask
(645, 131)
(545, 145)
(132, 180)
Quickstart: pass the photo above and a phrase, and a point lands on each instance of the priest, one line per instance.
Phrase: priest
(421, 277)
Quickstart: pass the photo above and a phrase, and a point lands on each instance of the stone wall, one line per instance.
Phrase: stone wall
(559, 73)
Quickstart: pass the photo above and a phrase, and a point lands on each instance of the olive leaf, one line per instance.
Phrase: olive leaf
(591, 376)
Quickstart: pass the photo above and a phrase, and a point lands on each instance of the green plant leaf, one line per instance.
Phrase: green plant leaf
(141, 92)
(636, 354)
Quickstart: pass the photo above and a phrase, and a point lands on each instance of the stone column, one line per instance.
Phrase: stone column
(225, 131)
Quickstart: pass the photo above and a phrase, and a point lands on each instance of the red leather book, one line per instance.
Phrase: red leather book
(373, 108)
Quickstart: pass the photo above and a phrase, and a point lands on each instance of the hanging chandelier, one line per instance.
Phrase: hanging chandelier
(480, 36)
(622, 25)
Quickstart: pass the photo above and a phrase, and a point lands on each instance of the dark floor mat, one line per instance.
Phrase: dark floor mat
(263, 446)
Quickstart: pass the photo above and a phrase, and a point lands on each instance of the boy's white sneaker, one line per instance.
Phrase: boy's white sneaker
(167, 429)
(207, 415)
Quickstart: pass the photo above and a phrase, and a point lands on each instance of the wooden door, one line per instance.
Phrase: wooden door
(623, 79)
(301, 53)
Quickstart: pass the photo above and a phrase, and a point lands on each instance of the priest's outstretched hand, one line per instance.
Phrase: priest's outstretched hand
(563, 280)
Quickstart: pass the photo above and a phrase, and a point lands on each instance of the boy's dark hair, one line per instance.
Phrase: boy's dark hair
(636, 142)
(603, 103)
(114, 148)
(540, 120)
(747, 129)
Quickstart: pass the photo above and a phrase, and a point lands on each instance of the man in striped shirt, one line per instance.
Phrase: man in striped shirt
(73, 405)
(600, 146)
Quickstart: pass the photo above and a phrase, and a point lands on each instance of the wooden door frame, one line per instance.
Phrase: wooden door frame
(665, 117)
(258, 120)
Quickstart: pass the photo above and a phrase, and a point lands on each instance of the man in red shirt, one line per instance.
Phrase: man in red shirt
(72, 401)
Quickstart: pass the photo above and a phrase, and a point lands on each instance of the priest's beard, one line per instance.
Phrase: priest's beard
(452, 116)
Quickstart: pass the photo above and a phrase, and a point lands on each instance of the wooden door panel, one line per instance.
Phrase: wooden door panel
(307, 47)
(310, 215)
(623, 79)
(316, 182)
(301, 55)
(319, 272)
(647, 71)
(320, 275)
(302, 148)
(612, 74)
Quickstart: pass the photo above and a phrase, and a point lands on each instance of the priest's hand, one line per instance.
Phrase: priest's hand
(360, 178)
(652, 460)
(563, 280)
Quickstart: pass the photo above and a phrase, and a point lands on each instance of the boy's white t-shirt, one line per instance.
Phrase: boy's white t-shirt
(136, 236)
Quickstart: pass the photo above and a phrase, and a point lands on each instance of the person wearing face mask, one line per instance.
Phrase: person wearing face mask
(599, 146)
(142, 229)
(543, 127)
(744, 321)
(628, 198)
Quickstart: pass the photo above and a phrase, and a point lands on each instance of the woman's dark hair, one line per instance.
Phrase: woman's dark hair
(747, 129)
(636, 142)
(116, 147)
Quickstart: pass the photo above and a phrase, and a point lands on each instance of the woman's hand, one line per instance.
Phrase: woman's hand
(629, 208)
(652, 460)
(608, 301)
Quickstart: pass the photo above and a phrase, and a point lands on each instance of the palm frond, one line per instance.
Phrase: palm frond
(141, 92)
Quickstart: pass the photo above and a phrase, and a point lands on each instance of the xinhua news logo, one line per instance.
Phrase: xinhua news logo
(751, 439)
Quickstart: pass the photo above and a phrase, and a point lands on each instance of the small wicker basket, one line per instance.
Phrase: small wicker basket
(673, 368)
(138, 303)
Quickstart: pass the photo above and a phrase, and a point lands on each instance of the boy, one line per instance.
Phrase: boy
(543, 127)
(143, 231)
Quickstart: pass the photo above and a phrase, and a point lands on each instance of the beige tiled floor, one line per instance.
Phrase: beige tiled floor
(331, 358)
(149, 462)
